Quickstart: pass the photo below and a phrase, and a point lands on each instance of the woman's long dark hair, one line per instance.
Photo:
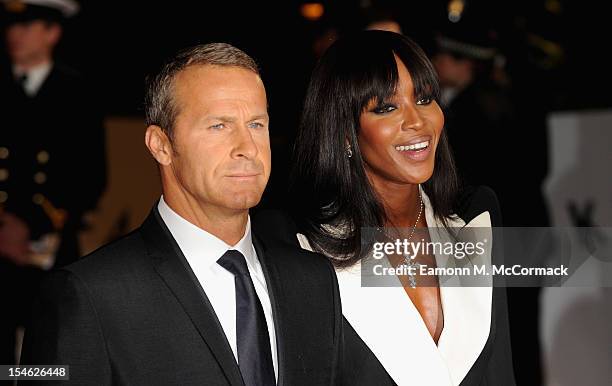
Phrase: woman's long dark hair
(330, 188)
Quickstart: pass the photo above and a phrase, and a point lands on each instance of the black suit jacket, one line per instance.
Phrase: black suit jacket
(133, 313)
(360, 367)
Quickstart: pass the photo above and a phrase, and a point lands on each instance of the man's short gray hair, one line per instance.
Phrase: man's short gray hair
(160, 107)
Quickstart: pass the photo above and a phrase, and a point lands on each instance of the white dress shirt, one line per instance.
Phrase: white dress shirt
(408, 352)
(36, 76)
(202, 250)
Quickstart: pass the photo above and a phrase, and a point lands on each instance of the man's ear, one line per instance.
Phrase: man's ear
(159, 145)
(54, 34)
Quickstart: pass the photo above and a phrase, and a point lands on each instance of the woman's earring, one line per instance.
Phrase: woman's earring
(349, 152)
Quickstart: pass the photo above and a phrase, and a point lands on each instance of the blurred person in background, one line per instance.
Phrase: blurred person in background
(52, 147)
(52, 154)
(476, 107)
(482, 115)
(495, 142)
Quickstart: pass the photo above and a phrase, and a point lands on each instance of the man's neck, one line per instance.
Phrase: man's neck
(227, 225)
(32, 63)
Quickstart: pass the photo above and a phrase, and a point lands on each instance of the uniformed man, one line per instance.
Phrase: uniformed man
(52, 165)
(52, 154)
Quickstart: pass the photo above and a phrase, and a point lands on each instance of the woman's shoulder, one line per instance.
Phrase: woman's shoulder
(475, 200)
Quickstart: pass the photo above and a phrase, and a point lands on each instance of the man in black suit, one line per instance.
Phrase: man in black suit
(193, 297)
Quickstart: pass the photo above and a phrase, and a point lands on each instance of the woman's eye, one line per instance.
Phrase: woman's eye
(424, 101)
(384, 109)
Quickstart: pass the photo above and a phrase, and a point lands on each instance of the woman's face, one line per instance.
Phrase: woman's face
(398, 137)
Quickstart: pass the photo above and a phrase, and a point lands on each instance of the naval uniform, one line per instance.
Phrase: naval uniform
(52, 155)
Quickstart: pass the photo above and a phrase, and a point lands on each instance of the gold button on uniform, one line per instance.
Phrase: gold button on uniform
(42, 157)
(38, 199)
(4, 174)
(40, 178)
(4, 153)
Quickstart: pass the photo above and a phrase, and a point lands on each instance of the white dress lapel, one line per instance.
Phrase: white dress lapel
(389, 324)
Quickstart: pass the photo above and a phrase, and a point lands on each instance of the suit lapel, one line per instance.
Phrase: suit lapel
(467, 309)
(389, 324)
(273, 284)
(176, 273)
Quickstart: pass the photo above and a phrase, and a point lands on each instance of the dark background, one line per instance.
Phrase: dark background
(117, 43)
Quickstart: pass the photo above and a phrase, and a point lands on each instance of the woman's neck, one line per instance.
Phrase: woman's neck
(401, 202)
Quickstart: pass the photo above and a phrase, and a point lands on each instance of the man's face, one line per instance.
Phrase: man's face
(221, 145)
(29, 41)
(452, 71)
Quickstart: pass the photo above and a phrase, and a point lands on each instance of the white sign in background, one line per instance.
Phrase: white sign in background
(576, 321)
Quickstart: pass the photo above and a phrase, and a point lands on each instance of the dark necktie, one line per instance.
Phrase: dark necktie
(21, 81)
(253, 341)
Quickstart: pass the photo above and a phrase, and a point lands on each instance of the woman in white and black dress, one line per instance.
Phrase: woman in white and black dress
(371, 152)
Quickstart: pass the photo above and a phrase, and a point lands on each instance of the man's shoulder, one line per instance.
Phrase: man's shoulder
(275, 231)
(292, 256)
(67, 74)
(65, 85)
(113, 261)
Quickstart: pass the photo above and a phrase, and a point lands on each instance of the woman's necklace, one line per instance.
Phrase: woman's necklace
(411, 264)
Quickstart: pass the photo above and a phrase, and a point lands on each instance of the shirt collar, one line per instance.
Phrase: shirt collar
(35, 77)
(197, 243)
